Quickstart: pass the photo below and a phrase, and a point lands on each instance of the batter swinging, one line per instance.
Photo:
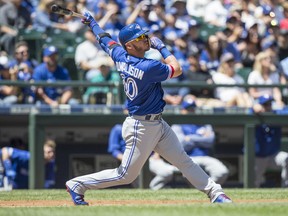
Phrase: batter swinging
(144, 130)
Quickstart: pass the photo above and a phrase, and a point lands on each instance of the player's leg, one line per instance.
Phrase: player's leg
(140, 140)
(281, 160)
(260, 168)
(163, 172)
(170, 148)
(215, 168)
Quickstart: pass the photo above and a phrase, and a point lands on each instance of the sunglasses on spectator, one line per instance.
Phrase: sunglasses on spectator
(22, 52)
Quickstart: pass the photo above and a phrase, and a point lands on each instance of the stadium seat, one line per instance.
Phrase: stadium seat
(244, 72)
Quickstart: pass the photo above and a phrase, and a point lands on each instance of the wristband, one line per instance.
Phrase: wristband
(101, 35)
(165, 52)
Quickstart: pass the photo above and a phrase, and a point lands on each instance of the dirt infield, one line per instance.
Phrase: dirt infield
(63, 203)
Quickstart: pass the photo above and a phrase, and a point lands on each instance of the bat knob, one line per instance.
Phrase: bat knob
(54, 8)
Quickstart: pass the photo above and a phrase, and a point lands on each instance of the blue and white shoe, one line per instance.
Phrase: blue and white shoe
(76, 198)
(222, 198)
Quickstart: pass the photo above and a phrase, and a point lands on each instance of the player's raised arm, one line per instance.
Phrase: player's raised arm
(102, 37)
(169, 58)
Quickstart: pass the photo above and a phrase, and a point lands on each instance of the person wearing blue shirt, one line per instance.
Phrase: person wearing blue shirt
(16, 166)
(268, 145)
(8, 94)
(51, 71)
(198, 141)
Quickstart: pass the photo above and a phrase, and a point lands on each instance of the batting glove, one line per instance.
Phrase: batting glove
(89, 20)
(156, 43)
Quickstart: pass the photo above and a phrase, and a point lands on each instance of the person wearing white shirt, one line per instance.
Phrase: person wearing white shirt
(231, 96)
(264, 72)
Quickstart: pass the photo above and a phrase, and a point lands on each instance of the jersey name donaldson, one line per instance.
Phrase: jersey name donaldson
(133, 71)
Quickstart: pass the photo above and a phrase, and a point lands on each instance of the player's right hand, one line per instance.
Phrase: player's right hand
(156, 43)
(89, 19)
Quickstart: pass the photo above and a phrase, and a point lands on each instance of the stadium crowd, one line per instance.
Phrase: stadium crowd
(216, 41)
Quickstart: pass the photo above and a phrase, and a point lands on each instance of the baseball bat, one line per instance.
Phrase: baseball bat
(64, 11)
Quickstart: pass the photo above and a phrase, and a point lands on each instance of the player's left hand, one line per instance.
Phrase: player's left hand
(89, 19)
(156, 43)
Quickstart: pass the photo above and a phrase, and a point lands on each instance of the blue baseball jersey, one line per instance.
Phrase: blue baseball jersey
(196, 135)
(116, 144)
(268, 140)
(41, 73)
(142, 79)
(20, 164)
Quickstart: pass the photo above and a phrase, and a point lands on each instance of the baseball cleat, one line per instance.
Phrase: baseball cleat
(222, 198)
(76, 198)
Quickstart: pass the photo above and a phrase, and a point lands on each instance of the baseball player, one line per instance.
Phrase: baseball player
(144, 129)
(16, 165)
(268, 145)
(197, 141)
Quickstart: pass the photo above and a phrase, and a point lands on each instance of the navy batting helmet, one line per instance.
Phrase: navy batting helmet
(130, 32)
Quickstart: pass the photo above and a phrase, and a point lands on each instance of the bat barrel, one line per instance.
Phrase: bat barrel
(64, 11)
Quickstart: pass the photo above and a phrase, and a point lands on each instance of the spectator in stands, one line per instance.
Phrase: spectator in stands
(197, 7)
(16, 165)
(282, 51)
(204, 96)
(113, 20)
(23, 66)
(44, 20)
(173, 38)
(284, 21)
(268, 145)
(23, 72)
(72, 23)
(13, 16)
(264, 72)
(230, 47)
(234, 27)
(141, 15)
(216, 13)
(250, 46)
(264, 14)
(82, 6)
(173, 95)
(102, 95)
(210, 56)
(89, 62)
(198, 141)
(196, 74)
(182, 18)
(162, 170)
(22, 55)
(51, 71)
(194, 43)
(272, 8)
(282, 43)
(7, 93)
(273, 30)
(231, 96)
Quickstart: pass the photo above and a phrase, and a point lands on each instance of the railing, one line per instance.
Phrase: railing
(119, 85)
